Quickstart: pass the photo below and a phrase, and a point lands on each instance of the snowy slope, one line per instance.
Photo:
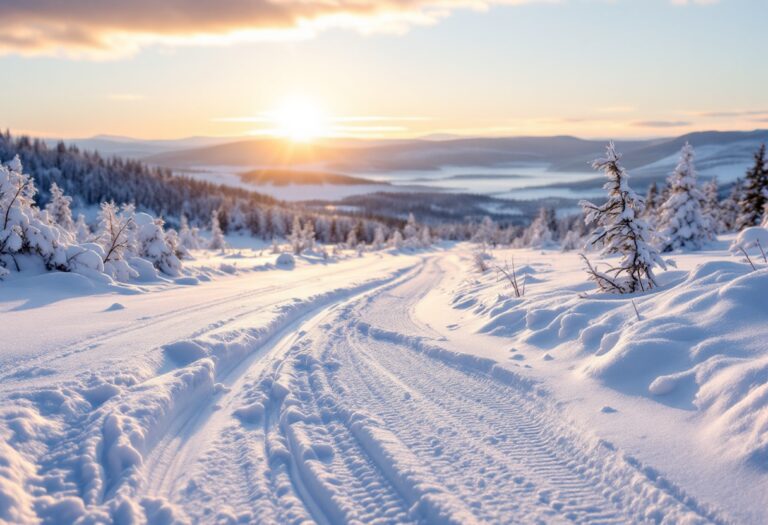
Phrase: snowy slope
(389, 388)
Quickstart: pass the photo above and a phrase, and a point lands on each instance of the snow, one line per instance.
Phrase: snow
(394, 387)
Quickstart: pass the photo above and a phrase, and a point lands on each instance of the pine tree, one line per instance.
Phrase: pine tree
(682, 223)
(189, 237)
(539, 234)
(411, 230)
(352, 239)
(59, 209)
(296, 237)
(486, 232)
(378, 238)
(218, 242)
(82, 231)
(651, 202)
(730, 208)
(621, 231)
(753, 202)
(308, 235)
(426, 237)
(396, 241)
(713, 209)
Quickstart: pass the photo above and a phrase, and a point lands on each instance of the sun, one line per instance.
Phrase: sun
(300, 120)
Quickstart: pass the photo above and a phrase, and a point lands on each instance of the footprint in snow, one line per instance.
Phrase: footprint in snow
(608, 410)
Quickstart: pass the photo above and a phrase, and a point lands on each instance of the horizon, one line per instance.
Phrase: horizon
(408, 69)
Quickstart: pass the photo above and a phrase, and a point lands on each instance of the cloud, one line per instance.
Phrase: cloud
(114, 27)
(660, 124)
(731, 114)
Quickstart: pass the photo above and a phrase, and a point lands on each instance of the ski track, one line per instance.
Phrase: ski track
(349, 411)
(358, 418)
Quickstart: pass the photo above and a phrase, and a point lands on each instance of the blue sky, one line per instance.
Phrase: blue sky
(591, 68)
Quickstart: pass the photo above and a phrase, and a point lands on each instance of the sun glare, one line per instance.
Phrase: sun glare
(300, 120)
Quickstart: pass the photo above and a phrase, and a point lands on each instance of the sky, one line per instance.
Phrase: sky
(383, 69)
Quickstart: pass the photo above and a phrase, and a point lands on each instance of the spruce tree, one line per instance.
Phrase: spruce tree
(713, 209)
(621, 231)
(753, 202)
(682, 223)
(730, 208)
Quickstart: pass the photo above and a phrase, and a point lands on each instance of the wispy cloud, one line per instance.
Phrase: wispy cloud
(660, 124)
(110, 27)
(731, 114)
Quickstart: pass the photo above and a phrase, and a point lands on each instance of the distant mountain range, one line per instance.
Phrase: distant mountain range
(725, 154)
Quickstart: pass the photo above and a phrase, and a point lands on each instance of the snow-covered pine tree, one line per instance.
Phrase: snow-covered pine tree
(713, 209)
(59, 209)
(82, 231)
(651, 203)
(621, 231)
(729, 207)
(189, 237)
(425, 237)
(571, 241)
(486, 232)
(539, 235)
(308, 235)
(296, 237)
(352, 239)
(218, 242)
(681, 222)
(396, 240)
(378, 238)
(411, 230)
(755, 197)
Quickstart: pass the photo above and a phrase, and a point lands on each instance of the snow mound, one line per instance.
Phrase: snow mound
(285, 260)
(696, 343)
(184, 352)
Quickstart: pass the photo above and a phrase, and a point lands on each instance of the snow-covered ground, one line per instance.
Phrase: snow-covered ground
(386, 388)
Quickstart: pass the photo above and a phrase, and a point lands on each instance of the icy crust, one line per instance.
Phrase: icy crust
(74, 452)
(697, 342)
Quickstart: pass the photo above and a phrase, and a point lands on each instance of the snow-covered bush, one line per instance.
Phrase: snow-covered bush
(115, 238)
(154, 245)
(189, 237)
(26, 232)
(285, 260)
(753, 239)
(480, 260)
(621, 231)
(682, 223)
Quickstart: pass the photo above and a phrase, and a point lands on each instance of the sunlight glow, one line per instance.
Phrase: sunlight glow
(300, 120)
